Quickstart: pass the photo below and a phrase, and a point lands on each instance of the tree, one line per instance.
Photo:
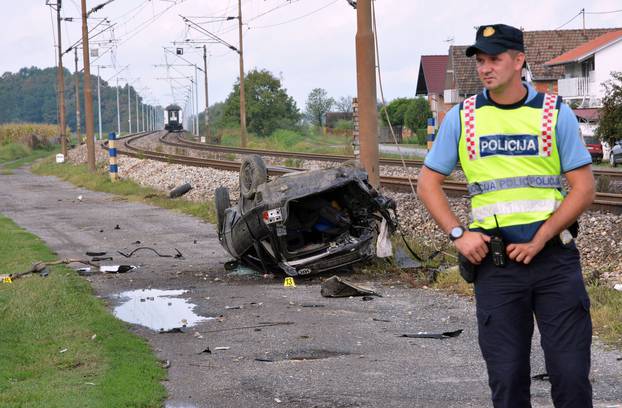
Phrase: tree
(344, 104)
(268, 107)
(396, 110)
(610, 124)
(318, 103)
(417, 114)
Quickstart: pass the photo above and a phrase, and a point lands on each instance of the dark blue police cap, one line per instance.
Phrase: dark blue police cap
(495, 39)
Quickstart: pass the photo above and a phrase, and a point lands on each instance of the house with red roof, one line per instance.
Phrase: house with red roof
(431, 83)
(586, 67)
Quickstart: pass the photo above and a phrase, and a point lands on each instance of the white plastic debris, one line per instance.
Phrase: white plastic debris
(618, 286)
(384, 248)
(60, 158)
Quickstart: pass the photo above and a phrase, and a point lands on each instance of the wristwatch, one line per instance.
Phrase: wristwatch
(456, 233)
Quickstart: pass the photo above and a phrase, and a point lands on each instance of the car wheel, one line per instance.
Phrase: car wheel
(612, 160)
(253, 172)
(222, 202)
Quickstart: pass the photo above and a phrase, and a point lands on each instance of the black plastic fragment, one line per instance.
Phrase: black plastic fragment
(93, 253)
(541, 377)
(206, 351)
(426, 335)
(180, 190)
(101, 258)
(173, 330)
(367, 298)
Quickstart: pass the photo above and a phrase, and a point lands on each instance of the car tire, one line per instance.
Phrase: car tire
(612, 160)
(222, 202)
(253, 172)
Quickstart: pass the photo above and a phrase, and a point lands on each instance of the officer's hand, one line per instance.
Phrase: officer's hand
(473, 245)
(524, 252)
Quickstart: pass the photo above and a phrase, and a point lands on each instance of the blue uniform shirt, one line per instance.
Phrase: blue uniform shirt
(573, 154)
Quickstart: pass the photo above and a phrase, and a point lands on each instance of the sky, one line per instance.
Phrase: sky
(306, 43)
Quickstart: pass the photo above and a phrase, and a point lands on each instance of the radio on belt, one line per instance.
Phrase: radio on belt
(272, 216)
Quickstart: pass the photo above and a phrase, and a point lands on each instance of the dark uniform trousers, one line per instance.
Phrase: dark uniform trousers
(550, 288)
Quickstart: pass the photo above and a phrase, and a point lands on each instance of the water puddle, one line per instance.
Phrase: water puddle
(159, 310)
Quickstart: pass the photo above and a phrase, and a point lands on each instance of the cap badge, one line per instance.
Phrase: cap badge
(488, 31)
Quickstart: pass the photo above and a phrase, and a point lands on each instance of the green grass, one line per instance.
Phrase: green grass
(100, 181)
(607, 313)
(294, 141)
(606, 309)
(42, 316)
(15, 155)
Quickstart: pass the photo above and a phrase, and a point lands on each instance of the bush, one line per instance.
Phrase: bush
(282, 138)
(343, 124)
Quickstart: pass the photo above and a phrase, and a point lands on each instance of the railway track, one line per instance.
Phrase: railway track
(179, 140)
(603, 201)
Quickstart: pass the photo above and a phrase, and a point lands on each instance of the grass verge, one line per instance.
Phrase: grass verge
(15, 155)
(49, 355)
(100, 181)
(606, 307)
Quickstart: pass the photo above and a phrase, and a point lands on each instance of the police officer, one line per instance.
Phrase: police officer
(514, 144)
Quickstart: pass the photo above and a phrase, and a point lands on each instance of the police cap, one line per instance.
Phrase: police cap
(495, 39)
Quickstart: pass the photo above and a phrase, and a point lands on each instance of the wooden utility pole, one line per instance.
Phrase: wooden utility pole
(243, 138)
(208, 133)
(77, 82)
(88, 94)
(366, 89)
(61, 85)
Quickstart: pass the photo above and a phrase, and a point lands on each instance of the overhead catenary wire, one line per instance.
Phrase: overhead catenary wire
(296, 18)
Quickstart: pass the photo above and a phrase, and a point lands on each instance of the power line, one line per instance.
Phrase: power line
(569, 21)
(604, 12)
(298, 18)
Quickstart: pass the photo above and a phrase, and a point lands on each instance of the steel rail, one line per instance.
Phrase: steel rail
(179, 140)
(604, 201)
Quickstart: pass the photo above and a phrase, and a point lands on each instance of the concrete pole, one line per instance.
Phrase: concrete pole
(118, 111)
(88, 93)
(129, 109)
(99, 106)
(196, 98)
(243, 137)
(61, 85)
(137, 116)
(208, 133)
(142, 108)
(366, 89)
(77, 82)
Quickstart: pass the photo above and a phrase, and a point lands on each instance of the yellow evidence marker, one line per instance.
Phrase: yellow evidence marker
(289, 282)
(7, 279)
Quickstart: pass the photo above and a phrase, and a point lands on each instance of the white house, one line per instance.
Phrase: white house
(586, 67)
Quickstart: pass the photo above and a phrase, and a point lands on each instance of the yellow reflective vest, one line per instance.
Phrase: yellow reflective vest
(510, 160)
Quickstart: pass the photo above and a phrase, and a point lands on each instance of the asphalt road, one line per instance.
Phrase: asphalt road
(287, 347)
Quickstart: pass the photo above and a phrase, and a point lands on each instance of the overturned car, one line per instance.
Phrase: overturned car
(303, 222)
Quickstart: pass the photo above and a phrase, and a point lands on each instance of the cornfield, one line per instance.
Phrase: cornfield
(30, 134)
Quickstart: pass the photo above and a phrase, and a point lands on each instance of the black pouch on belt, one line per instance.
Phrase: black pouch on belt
(466, 268)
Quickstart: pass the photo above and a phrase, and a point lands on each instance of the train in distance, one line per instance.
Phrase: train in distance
(173, 118)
